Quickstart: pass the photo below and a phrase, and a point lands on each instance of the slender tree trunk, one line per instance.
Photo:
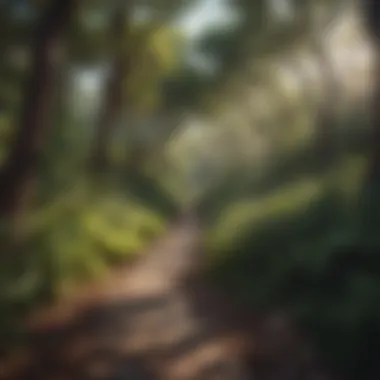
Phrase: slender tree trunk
(114, 91)
(19, 172)
(372, 13)
(327, 134)
(327, 143)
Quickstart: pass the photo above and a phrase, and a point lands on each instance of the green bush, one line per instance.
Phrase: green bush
(75, 239)
(307, 247)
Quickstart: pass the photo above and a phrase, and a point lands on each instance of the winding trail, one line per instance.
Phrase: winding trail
(154, 320)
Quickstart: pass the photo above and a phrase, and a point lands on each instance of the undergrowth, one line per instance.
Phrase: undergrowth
(310, 246)
(75, 238)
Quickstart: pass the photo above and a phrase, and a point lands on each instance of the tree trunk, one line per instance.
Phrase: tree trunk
(113, 97)
(372, 14)
(326, 121)
(19, 172)
(327, 139)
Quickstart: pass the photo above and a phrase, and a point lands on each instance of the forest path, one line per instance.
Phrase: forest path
(154, 320)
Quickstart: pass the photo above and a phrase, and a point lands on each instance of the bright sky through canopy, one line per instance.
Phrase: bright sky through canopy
(205, 15)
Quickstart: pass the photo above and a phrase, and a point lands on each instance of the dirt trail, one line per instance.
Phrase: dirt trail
(153, 321)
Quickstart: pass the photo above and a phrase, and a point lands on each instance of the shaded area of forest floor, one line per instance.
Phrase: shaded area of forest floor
(155, 320)
(159, 319)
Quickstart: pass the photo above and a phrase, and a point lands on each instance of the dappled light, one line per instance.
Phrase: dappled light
(189, 190)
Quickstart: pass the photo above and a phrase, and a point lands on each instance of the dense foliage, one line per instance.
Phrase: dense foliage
(108, 130)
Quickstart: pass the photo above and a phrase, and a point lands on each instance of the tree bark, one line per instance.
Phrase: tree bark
(372, 15)
(327, 138)
(20, 170)
(114, 90)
